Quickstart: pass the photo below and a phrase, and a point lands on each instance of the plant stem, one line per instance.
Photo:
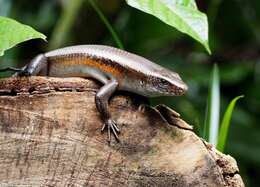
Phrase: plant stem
(107, 24)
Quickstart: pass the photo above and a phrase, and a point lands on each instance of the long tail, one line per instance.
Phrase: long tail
(11, 69)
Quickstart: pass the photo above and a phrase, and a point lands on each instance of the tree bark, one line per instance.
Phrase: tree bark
(50, 136)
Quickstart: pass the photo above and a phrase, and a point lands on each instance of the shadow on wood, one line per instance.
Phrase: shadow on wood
(50, 136)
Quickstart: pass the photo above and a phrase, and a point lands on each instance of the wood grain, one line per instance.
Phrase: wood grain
(50, 136)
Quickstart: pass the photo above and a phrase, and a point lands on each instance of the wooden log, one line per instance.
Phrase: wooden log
(50, 136)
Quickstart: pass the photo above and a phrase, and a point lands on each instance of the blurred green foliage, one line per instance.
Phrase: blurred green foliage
(234, 41)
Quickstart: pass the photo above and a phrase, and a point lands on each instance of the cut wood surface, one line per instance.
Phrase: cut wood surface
(50, 136)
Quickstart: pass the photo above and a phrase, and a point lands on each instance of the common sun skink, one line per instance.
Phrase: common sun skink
(114, 68)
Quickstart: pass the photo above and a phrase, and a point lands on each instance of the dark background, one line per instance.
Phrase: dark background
(234, 39)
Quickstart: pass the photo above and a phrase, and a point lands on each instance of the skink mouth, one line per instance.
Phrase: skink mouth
(185, 88)
(179, 92)
(180, 89)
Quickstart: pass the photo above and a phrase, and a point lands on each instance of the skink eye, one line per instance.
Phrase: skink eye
(142, 82)
(164, 81)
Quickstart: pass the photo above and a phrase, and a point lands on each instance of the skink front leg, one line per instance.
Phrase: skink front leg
(101, 100)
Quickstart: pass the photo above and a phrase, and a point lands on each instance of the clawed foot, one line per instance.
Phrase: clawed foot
(111, 126)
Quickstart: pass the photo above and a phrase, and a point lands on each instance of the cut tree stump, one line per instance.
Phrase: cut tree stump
(50, 136)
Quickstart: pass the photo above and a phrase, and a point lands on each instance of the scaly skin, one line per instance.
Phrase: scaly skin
(115, 68)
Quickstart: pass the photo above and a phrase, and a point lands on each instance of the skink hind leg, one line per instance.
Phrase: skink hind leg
(34, 67)
(101, 100)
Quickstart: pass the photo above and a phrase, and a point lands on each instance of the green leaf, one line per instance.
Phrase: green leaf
(181, 14)
(187, 3)
(226, 123)
(211, 125)
(13, 33)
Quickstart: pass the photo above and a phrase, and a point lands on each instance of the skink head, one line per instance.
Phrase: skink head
(165, 83)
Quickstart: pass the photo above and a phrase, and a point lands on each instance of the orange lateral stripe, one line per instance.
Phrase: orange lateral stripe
(93, 63)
